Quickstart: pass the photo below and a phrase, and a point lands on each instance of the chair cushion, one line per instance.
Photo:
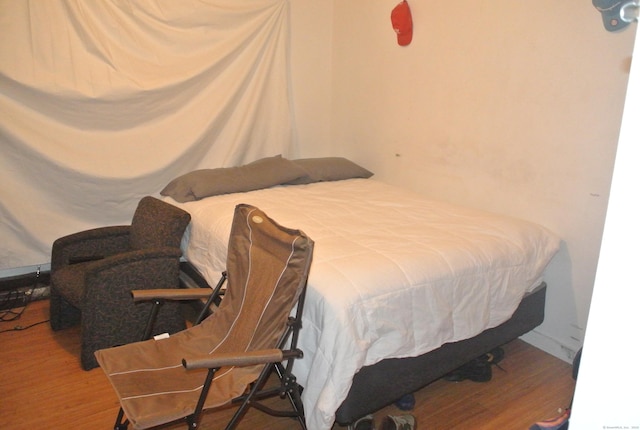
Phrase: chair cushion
(156, 223)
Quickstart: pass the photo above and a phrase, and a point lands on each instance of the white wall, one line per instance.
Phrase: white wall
(508, 106)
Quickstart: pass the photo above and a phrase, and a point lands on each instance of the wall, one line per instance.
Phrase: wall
(508, 106)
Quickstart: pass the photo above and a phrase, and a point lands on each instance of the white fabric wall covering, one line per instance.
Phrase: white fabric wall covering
(104, 102)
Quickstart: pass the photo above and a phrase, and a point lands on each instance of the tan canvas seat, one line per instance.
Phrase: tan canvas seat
(159, 381)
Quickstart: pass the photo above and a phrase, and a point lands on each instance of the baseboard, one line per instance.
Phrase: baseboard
(9, 272)
(25, 280)
(550, 345)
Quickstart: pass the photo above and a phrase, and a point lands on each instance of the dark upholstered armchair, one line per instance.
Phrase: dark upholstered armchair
(94, 271)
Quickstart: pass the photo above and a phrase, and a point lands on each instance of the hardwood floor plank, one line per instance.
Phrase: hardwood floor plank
(43, 386)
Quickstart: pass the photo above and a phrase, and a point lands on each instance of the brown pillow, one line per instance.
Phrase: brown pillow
(263, 173)
(328, 169)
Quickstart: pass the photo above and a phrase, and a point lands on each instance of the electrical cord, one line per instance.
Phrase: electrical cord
(20, 328)
(12, 298)
(11, 314)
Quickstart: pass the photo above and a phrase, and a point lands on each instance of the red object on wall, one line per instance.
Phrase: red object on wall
(402, 23)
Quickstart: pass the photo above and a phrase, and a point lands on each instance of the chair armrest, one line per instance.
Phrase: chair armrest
(118, 275)
(89, 244)
(249, 358)
(171, 294)
(109, 282)
(133, 257)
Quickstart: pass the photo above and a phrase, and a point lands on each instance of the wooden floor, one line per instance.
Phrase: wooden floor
(43, 387)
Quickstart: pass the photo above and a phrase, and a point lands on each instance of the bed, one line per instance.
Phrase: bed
(401, 290)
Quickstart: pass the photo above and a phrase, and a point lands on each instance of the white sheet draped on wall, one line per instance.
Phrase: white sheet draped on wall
(103, 102)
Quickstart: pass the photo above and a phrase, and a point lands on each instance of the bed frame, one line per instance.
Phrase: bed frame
(381, 384)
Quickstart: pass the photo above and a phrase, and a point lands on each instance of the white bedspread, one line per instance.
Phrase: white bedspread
(393, 274)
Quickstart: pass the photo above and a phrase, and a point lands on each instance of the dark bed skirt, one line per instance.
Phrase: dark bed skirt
(381, 384)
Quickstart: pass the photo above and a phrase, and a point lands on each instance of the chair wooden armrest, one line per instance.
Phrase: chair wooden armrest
(171, 294)
(249, 358)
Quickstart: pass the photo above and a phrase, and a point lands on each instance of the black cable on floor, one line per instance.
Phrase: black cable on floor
(13, 314)
(20, 328)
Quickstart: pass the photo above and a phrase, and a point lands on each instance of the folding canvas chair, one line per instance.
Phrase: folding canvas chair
(228, 357)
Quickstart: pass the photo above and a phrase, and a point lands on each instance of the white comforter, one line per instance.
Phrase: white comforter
(393, 274)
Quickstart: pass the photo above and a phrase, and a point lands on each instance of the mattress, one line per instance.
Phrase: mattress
(393, 275)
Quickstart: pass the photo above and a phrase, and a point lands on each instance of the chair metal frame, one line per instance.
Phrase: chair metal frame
(273, 359)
